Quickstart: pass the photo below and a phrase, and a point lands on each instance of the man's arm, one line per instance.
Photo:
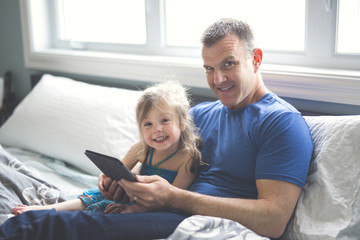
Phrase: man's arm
(267, 215)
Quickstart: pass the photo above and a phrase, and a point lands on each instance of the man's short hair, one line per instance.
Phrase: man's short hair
(227, 26)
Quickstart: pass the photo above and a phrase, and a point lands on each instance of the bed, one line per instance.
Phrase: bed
(42, 159)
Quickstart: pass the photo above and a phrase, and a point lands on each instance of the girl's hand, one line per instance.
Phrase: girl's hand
(113, 208)
(110, 189)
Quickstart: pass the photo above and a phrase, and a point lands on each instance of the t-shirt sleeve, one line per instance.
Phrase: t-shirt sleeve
(285, 150)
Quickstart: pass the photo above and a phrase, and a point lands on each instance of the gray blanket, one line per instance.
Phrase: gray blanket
(18, 185)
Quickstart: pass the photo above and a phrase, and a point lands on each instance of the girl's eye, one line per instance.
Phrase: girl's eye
(166, 120)
(147, 124)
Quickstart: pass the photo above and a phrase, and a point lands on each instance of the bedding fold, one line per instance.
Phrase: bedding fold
(18, 185)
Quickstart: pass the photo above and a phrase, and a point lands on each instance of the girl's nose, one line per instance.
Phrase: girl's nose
(158, 128)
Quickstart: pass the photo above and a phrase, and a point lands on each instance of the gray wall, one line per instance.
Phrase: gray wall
(11, 59)
(11, 51)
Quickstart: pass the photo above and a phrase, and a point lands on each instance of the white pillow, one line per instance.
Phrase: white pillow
(329, 202)
(62, 118)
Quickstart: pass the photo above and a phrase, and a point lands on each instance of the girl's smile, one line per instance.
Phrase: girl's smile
(160, 139)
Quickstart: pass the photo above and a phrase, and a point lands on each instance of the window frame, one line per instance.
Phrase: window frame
(336, 79)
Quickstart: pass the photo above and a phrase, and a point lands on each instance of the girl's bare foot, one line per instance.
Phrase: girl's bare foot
(23, 208)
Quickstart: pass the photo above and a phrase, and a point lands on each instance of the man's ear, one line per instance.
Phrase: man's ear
(257, 58)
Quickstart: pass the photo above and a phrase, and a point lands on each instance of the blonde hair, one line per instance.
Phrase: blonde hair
(175, 96)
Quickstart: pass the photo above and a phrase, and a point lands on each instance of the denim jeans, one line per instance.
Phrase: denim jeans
(49, 224)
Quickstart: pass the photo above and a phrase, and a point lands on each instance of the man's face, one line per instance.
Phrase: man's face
(230, 72)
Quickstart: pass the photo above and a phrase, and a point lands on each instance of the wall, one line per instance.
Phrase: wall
(11, 51)
(11, 59)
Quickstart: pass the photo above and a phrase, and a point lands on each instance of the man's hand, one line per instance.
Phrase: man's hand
(150, 192)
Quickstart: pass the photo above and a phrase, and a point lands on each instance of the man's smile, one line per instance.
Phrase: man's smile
(226, 88)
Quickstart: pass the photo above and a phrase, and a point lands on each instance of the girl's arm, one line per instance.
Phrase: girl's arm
(184, 177)
(131, 157)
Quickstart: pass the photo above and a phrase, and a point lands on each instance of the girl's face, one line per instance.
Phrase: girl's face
(161, 129)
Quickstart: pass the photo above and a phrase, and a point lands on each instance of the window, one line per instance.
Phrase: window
(105, 21)
(348, 37)
(278, 24)
(309, 51)
(87, 24)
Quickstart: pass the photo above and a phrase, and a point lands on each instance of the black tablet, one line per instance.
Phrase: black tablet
(110, 166)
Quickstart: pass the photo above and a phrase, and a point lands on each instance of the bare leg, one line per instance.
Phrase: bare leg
(71, 205)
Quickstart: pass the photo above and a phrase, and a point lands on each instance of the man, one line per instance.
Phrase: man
(257, 147)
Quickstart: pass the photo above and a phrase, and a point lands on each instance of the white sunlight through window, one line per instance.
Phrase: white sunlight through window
(102, 21)
(348, 34)
(278, 24)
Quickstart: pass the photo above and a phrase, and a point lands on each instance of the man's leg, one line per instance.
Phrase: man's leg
(50, 224)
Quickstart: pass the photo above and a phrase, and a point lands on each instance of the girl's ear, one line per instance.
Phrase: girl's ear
(182, 127)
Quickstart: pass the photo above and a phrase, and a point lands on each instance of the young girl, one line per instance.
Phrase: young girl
(168, 147)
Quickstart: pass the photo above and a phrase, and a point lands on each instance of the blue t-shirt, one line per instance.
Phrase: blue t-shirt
(268, 139)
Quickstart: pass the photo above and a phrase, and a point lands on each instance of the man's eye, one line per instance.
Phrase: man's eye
(228, 64)
(208, 69)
